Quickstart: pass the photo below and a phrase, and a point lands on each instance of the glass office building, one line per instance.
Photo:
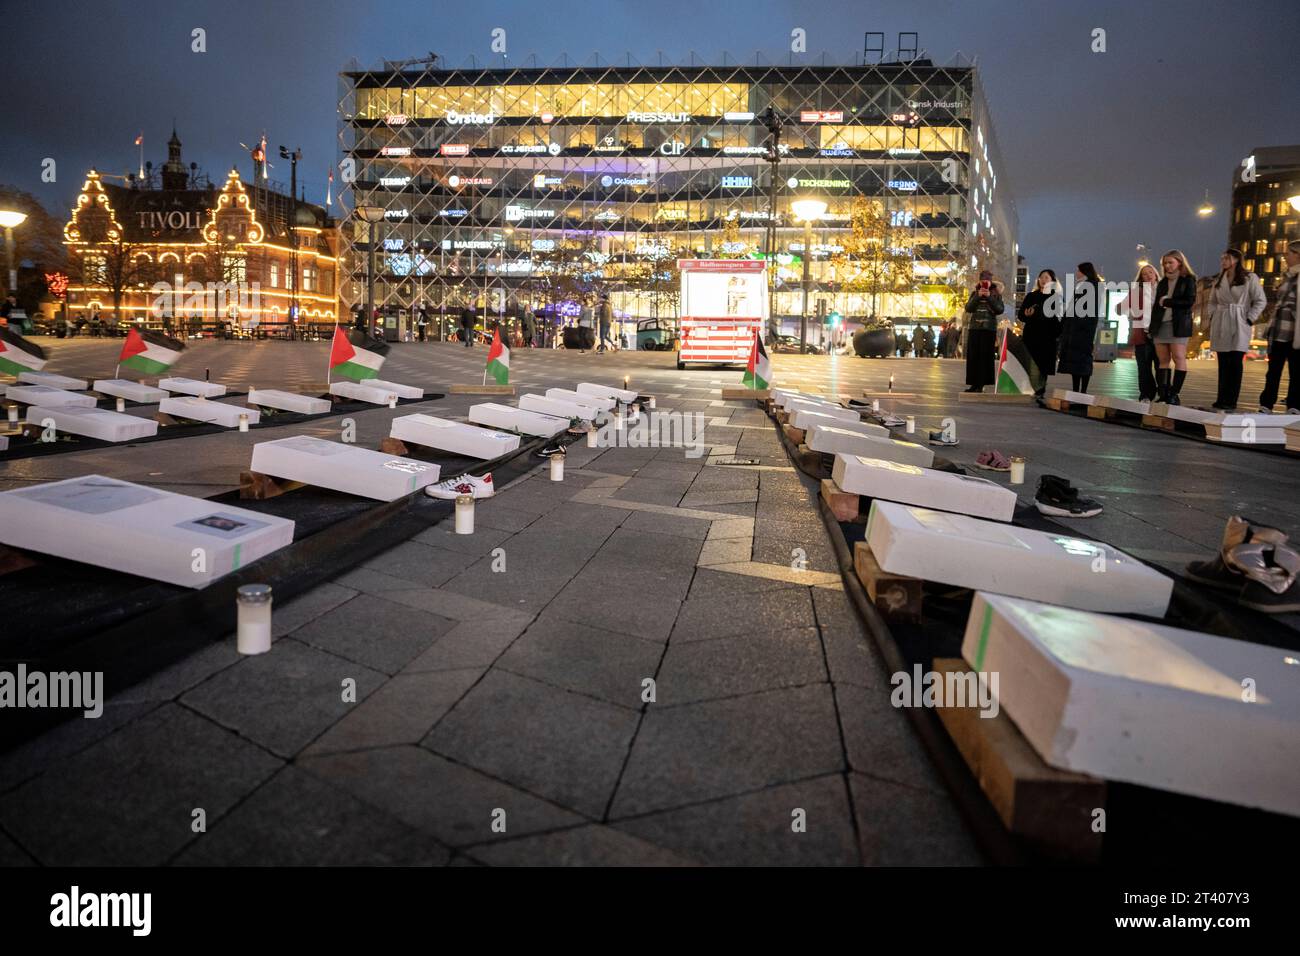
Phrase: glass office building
(540, 186)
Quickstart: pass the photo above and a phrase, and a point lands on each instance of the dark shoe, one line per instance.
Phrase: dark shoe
(1256, 565)
(1059, 498)
(1174, 399)
(973, 389)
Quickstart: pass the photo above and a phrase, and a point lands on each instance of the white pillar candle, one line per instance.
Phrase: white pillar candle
(13, 413)
(591, 436)
(911, 425)
(464, 514)
(121, 404)
(557, 467)
(253, 619)
(243, 422)
(652, 402)
(1017, 471)
(875, 404)
(392, 401)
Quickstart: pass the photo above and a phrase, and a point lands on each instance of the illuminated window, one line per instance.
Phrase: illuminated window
(1265, 208)
(96, 269)
(234, 269)
(1250, 213)
(1269, 264)
(308, 279)
(275, 275)
(1283, 207)
(1261, 246)
(1250, 265)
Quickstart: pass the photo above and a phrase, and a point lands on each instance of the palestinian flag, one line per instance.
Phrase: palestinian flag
(17, 355)
(758, 374)
(1014, 364)
(347, 357)
(498, 362)
(150, 352)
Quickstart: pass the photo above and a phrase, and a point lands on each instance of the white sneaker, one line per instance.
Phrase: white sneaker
(1293, 411)
(464, 485)
(892, 421)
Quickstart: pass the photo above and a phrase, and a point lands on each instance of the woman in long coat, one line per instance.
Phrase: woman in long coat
(1079, 327)
(1041, 328)
(1236, 301)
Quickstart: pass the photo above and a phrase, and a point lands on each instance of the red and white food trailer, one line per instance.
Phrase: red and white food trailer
(724, 302)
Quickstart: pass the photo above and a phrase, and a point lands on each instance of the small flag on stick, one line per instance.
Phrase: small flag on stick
(498, 361)
(758, 374)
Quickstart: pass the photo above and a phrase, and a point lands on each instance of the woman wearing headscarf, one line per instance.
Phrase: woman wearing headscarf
(982, 310)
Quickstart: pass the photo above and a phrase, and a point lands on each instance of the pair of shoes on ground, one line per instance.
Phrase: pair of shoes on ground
(1269, 411)
(993, 460)
(944, 439)
(890, 420)
(1057, 497)
(1256, 564)
(452, 488)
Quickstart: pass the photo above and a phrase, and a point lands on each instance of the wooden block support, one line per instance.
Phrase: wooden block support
(740, 394)
(1158, 421)
(1051, 808)
(894, 595)
(1101, 411)
(1057, 404)
(480, 389)
(843, 504)
(393, 446)
(259, 487)
(782, 416)
(794, 435)
(811, 463)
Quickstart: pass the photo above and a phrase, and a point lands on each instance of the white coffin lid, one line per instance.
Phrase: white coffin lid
(831, 439)
(201, 410)
(287, 401)
(825, 408)
(1077, 398)
(595, 401)
(139, 530)
(806, 418)
(192, 386)
(401, 391)
(783, 396)
(988, 556)
(342, 467)
(1260, 420)
(892, 481)
(1184, 413)
(516, 419)
(559, 407)
(1144, 703)
(52, 380)
(48, 396)
(1123, 404)
(362, 392)
(455, 437)
(94, 422)
(624, 395)
(132, 391)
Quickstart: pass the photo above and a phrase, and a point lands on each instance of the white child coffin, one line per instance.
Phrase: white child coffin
(783, 396)
(909, 484)
(559, 407)
(517, 419)
(1075, 398)
(140, 530)
(49, 397)
(824, 408)
(94, 422)
(341, 467)
(624, 395)
(1184, 413)
(192, 386)
(568, 395)
(51, 380)
(1144, 703)
(987, 556)
(363, 392)
(131, 391)
(832, 439)
(201, 410)
(287, 401)
(401, 391)
(1123, 404)
(806, 419)
(1257, 429)
(455, 437)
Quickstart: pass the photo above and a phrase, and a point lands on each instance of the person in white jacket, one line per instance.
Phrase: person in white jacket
(1137, 306)
(1236, 301)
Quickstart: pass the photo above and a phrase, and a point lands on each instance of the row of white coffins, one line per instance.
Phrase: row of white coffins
(1234, 428)
(1116, 697)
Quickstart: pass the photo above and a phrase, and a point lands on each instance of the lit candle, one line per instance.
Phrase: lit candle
(557, 467)
(13, 413)
(243, 421)
(911, 424)
(1017, 471)
(891, 383)
(253, 618)
(464, 514)
(591, 435)
(121, 404)
(392, 401)
(875, 404)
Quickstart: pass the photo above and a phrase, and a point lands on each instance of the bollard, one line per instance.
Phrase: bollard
(121, 404)
(253, 617)
(557, 467)
(243, 421)
(464, 514)
(911, 425)
(1017, 471)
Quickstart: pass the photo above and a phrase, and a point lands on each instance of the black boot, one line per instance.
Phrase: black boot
(1180, 376)
(1162, 384)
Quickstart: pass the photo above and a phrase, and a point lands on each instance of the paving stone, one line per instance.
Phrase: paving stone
(591, 845)
(725, 551)
(625, 598)
(712, 584)
(655, 491)
(290, 615)
(282, 699)
(560, 745)
(879, 739)
(644, 549)
(762, 611)
(536, 495)
(719, 748)
(757, 829)
(657, 523)
(381, 634)
(444, 536)
(902, 826)
(402, 711)
(729, 666)
(672, 470)
(815, 554)
(852, 657)
(369, 581)
(419, 563)
(455, 606)
(296, 819)
(708, 498)
(452, 802)
(731, 528)
(128, 799)
(469, 644)
(61, 741)
(491, 513)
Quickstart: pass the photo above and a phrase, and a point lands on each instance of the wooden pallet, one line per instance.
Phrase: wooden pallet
(811, 463)
(896, 596)
(480, 389)
(1057, 404)
(1103, 412)
(1052, 809)
(258, 487)
(1159, 422)
(995, 398)
(844, 505)
(794, 435)
(741, 394)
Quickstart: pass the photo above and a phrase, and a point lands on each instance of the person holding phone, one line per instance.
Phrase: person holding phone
(1236, 301)
(1137, 306)
(1041, 329)
(982, 310)
(1171, 323)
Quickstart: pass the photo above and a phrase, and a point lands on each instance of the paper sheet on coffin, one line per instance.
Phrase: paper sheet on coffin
(131, 391)
(140, 530)
(1258, 429)
(287, 401)
(964, 494)
(94, 423)
(340, 467)
(806, 419)
(49, 397)
(824, 408)
(201, 410)
(192, 386)
(455, 437)
(1183, 413)
(831, 440)
(1123, 404)
(559, 407)
(362, 392)
(568, 395)
(517, 419)
(401, 391)
(1144, 703)
(51, 380)
(624, 395)
(987, 556)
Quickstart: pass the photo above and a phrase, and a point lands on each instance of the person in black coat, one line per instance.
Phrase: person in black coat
(467, 318)
(982, 310)
(1041, 330)
(1079, 327)
(1171, 323)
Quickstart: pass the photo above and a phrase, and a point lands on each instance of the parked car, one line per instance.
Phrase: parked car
(790, 343)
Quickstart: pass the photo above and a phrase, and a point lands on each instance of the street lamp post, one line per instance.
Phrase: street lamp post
(9, 219)
(372, 215)
(808, 210)
(772, 121)
(293, 158)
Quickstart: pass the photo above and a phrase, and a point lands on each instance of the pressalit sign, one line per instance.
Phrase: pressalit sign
(638, 117)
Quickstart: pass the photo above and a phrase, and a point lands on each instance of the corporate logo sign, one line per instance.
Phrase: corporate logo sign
(821, 116)
(456, 182)
(796, 182)
(395, 151)
(454, 149)
(470, 119)
(635, 117)
(611, 181)
(903, 185)
(737, 182)
(515, 149)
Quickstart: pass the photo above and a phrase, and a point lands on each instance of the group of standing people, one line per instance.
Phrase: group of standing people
(1059, 339)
